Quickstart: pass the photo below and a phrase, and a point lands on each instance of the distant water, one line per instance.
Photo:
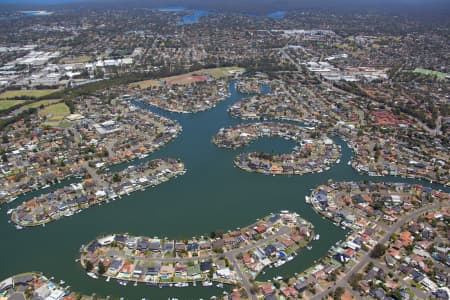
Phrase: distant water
(277, 15)
(37, 13)
(193, 17)
(172, 9)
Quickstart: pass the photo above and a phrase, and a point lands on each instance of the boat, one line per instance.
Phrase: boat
(317, 237)
(46, 186)
(220, 285)
(151, 283)
(61, 282)
(108, 279)
(122, 282)
(207, 283)
(19, 227)
(12, 199)
(92, 275)
(10, 211)
(181, 284)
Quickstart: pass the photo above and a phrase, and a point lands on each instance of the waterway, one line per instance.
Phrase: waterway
(193, 15)
(212, 195)
(277, 15)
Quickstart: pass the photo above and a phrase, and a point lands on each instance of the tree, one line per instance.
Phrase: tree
(88, 265)
(378, 251)
(101, 268)
(338, 292)
(116, 177)
(354, 280)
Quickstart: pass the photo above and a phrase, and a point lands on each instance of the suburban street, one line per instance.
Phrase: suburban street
(366, 258)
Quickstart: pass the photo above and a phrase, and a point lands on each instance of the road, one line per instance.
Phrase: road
(419, 293)
(230, 255)
(366, 258)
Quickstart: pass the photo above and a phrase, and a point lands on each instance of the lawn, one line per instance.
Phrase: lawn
(17, 94)
(221, 72)
(5, 104)
(39, 103)
(55, 114)
(439, 75)
(145, 84)
(189, 77)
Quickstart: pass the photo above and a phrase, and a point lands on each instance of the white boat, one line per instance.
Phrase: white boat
(122, 282)
(46, 186)
(19, 227)
(181, 284)
(92, 275)
(317, 237)
(220, 285)
(12, 199)
(207, 283)
(10, 211)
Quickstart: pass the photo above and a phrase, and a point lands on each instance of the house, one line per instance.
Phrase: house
(205, 266)
(218, 244)
(267, 289)
(269, 250)
(341, 257)
(153, 271)
(300, 285)
(378, 293)
(167, 271)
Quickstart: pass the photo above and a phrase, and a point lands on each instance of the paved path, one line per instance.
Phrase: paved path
(366, 258)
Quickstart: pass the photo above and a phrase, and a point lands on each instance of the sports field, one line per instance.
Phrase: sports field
(5, 104)
(439, 75)
(55, 113)
(189, 78)
(17, 94)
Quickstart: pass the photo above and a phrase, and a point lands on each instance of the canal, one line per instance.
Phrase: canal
(212, 195)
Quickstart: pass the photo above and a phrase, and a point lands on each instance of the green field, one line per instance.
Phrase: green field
(439, 75)
(5, 104)
(37, 104)
(55, 114)
(17, 94)
(220, 72)
(185, 78)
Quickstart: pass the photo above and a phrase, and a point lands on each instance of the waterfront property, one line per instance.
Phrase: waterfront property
(186, 93)
(40, 151)
(233, 257)
(72, 199)
(312, 154)
(32, 285)
(375, 213)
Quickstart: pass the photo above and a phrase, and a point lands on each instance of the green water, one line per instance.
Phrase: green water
(212, 195)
